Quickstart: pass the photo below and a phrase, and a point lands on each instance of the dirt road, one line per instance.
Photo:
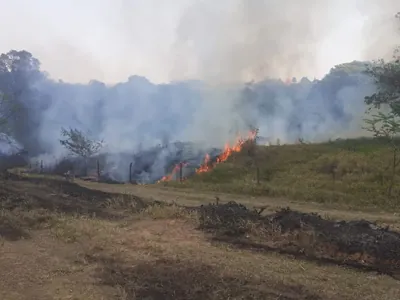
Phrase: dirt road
(192, 197)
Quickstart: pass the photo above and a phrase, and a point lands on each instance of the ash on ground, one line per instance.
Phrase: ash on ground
(357, 243)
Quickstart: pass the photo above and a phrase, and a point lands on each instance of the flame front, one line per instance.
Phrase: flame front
(207, 165)
(228, 150)
(172, 174)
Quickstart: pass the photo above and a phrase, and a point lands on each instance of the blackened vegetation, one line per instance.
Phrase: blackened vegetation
(144, 166)
(360, 244)
(164, 279)
(161, 160)
(16, 160)
(27, 194)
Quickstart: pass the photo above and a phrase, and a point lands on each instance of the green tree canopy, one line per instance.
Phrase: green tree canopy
(386, 75)
(80, 144)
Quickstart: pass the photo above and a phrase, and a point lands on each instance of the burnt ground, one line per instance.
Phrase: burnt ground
(60, 240)
(71, 197)
(360, 244)
(34, 201)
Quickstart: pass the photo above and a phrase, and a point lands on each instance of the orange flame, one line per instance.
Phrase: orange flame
(207, 166)
(172, 174)
(228, 150)
(288, 81)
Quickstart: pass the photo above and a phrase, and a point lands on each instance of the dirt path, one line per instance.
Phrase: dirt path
(192, 197)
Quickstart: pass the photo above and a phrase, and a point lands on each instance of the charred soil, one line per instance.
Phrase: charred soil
(360, 244)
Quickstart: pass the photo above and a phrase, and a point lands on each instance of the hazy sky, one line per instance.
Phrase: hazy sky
(109, 40)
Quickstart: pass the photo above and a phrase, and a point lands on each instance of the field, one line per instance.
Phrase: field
(86, 240)
(350, 173)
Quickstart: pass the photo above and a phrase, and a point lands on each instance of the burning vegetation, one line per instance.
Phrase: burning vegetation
(176, 170)
(209, 163)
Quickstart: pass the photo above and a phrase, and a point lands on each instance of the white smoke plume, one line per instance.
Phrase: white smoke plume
(233, 41)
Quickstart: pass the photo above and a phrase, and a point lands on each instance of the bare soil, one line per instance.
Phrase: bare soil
(62, 240)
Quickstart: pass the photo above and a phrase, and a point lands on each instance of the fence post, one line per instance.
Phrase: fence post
(258, 175)
(130, 172)
(98, 170)
(180, 172)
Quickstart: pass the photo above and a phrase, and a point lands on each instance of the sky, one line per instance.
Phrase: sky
(110, 40)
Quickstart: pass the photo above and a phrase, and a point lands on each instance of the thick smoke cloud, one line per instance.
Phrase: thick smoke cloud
(226, 62)
(250, 40)
(238, 40)
(380, 30)
(233, 41)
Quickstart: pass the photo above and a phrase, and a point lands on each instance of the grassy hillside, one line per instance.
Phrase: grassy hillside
(355, 173)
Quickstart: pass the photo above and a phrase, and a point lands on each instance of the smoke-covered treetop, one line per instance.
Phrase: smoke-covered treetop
(138, 112)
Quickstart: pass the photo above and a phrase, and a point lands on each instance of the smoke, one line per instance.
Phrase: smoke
(380, 31)
(130, 117)
(8, 146)
(223, 62)
(250, 40)
(235, 41)
(239, 40)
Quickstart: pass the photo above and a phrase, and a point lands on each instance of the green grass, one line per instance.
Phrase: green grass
(353, 173)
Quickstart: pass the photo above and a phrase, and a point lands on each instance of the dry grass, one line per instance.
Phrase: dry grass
(195, 197)
(109, 246)
(166, 259)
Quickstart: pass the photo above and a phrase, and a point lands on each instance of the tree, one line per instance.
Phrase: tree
(384, 106)
(7, 111)
(80, 144)
(386, 76)
(387, 126)
(19, 73)
(4, 115)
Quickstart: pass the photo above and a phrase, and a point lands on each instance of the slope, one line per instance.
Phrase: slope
(353, 173)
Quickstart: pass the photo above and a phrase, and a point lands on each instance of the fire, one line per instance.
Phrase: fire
(228, 151)
(207, 165)
(176, 170)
